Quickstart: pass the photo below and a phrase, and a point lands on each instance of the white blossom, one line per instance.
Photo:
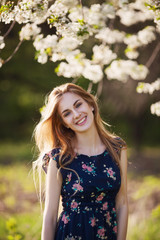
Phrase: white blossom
(70, 3)
(69, 70)
(143, 37)
(92, 72)
(102, 54)
(66, 44)
(147, 35)
(7, 17)
(94, 16)
(2, 44)
(76, 13)
(108, 10)
(129, 16)
(122, 69)
(148, 87)
(42, 57)
(28, 31)
(110, 36)
(41, 43)
(132, 41)
(57, 57)
(76, 56)
(139, 72)
(58, 9)
(131, 53)
(155, 108)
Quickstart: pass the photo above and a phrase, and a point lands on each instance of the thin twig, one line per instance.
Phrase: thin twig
(15, 50)
(90, 87)
(153, 56)
(80, 3)
(100, 87)
(9, 29)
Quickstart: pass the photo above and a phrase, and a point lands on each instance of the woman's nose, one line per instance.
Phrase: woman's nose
(76, 114)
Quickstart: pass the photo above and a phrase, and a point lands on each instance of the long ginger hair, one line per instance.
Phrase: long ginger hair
(51, 131)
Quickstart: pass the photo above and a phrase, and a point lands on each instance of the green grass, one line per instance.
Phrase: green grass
(16, 152)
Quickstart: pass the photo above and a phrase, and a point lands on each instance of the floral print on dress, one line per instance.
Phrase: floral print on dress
(68, 179)
(77, 186)
(108, 218)
(115, 228)
(100, 197)
(72, 237)
(75, 206)
(89, 168)
(110, 172)
(101, 233)
(93, 221)
(65, 218)
(105, 206)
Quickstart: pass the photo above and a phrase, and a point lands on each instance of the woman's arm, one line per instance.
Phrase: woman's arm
(122, 199)
(53, 190)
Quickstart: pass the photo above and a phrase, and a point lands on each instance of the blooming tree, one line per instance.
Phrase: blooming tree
(113, 52)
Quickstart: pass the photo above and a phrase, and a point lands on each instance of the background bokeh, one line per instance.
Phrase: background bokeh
(24, 84)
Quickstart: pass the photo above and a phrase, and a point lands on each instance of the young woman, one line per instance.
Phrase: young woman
(86, 165)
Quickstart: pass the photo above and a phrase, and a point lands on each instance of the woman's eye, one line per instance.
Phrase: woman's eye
(78, 105)
(66, 114)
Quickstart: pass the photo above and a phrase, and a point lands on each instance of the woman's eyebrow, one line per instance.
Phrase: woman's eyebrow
(73, 105)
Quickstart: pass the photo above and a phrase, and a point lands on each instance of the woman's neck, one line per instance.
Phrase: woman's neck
(88, 142)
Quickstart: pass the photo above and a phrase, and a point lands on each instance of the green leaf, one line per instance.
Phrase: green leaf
(57, 68)
(81, 21)
(82, 31)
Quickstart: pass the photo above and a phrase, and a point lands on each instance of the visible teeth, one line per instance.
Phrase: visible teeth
(81, 120)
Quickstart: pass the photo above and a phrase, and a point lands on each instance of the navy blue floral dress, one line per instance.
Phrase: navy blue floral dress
(89, 213)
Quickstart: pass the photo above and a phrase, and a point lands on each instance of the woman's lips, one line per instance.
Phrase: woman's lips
(82, 121)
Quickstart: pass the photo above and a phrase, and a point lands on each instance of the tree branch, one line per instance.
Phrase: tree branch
(90, 87)
(10, 28)
(153, 56)
(15, 50)
(99, 89)
(80, 3)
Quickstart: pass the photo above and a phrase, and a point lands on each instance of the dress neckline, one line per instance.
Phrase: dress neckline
(97, 155)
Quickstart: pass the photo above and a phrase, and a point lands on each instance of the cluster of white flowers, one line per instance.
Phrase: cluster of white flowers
(148, 87)
(44, 46)
(155, 109)
(143, 37)
(56, 49)
(25, 11)
(109, 36)
(103, 55)
(123, 69)
(134, 41)
(131, 53)
(134, 12)
(77, 65)
(155, 11)
(29, 31)
(2, 44)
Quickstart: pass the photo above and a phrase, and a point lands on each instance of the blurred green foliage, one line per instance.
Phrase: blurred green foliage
(147, 229)
(13, 234)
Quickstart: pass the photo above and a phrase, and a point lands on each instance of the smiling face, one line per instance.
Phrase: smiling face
(75, 112)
